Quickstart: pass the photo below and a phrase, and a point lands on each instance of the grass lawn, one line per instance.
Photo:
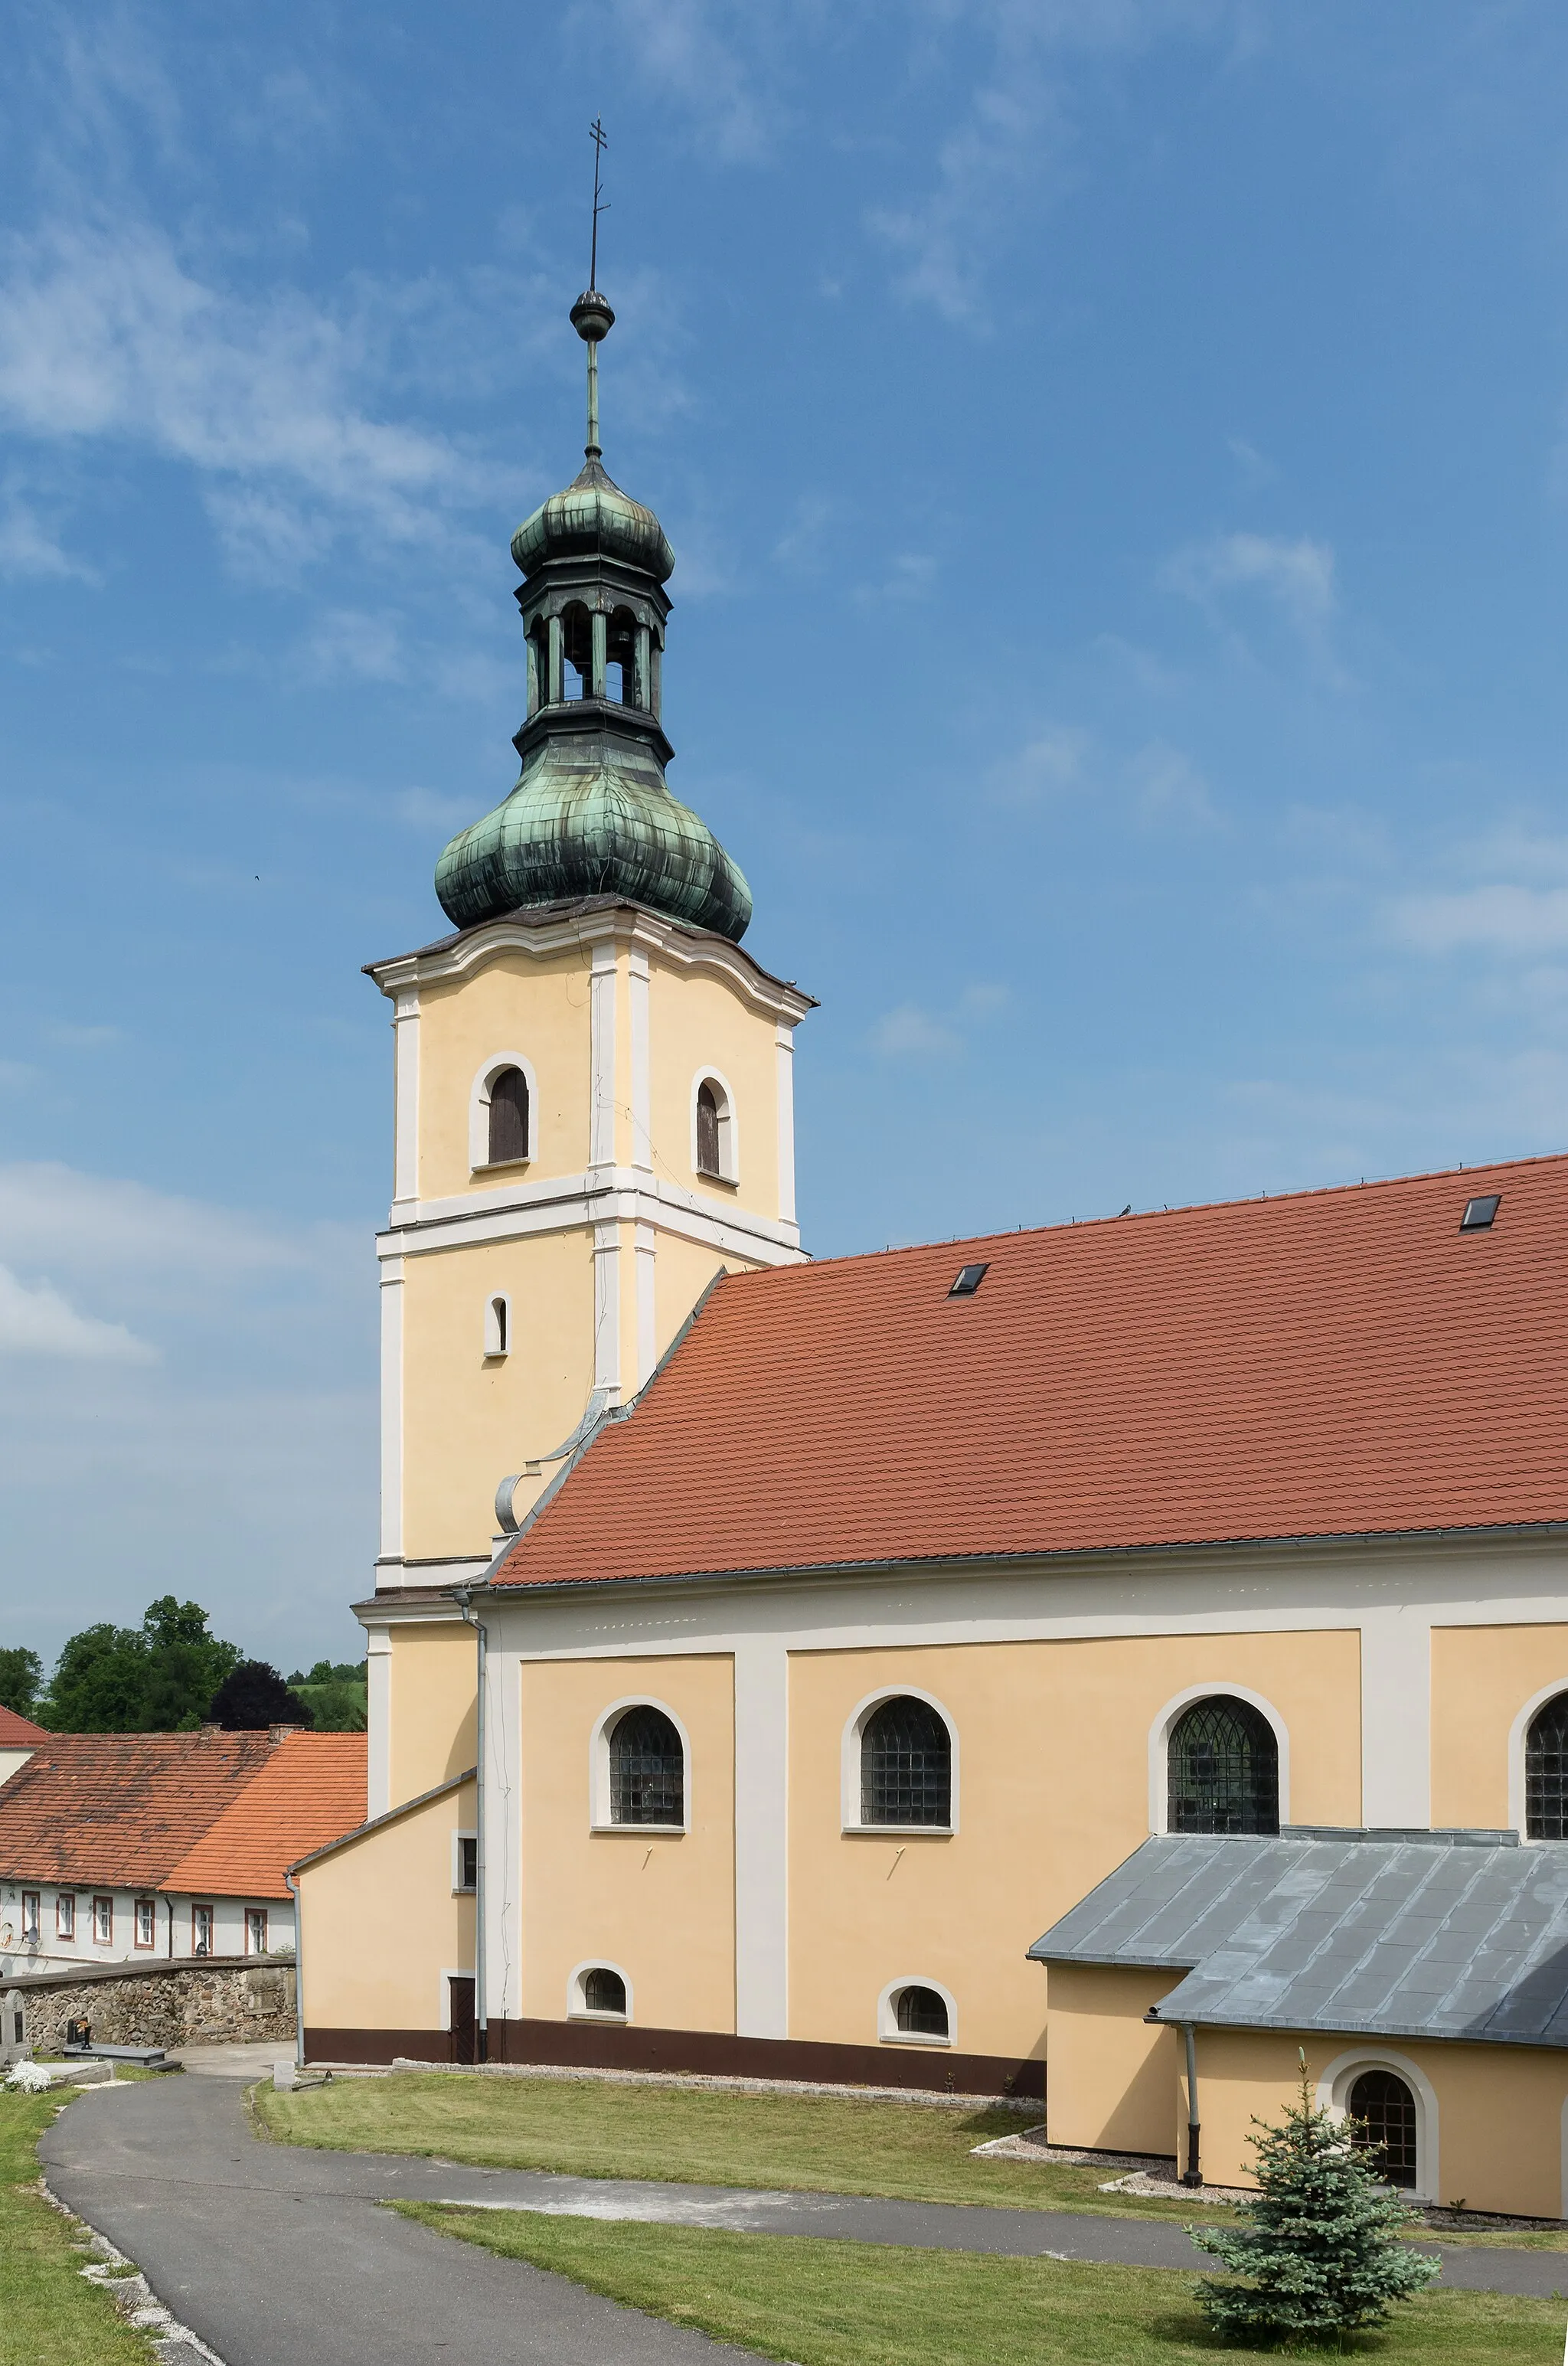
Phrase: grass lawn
(49, 2316)
(851, 2304)
(698, 2137)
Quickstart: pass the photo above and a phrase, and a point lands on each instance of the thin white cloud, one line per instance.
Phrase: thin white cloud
(57, 1219)
(910, 1033)
(1500, 918)
(702, 55)
(34, 1319)
(1168, 790)
(1298, 575)
(1052, 763)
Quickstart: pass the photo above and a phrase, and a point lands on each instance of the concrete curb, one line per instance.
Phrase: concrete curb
(132, 2296)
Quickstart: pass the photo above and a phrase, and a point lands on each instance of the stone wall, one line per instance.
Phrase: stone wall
(208, 2002)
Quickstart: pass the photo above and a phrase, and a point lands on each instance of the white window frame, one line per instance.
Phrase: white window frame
(1334, 2096)
(461, 1888)
(262, 1910)
(33, 1930)
(201, 1905)
(849, 1769)
(102, 1938)
(599, 1819)
(136, 1938)
(478, 1112)
(65, 1914)
(577, 2008)
(1517, 1735)
(729, 1128)
(1216, 1688)
(498, 1333)
(887, 2030)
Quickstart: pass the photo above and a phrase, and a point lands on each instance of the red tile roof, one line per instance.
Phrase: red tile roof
(15, 1733)
(119, 1808)
(1334, 1362)
(311, 1790)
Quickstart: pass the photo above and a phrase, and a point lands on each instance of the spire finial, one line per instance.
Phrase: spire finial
(591, 316)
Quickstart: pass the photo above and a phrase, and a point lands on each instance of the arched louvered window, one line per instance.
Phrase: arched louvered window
(708, 1129)
(921, 2012)
(647, 1769)
(604, 1990)
(1546, 1772)
(1224, 1768)
(1384, 2109)
(906, 1763)
(508, 1116)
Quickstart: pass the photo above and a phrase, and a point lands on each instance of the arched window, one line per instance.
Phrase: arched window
(1546, 1772)
(647, 1769)
(539, 666)
(508, 1116)
(604, 1991)
(708, 1129)
(921, 2012)
(620, 667)
(497, 1325)
(713, 1127)
(1384, 2110)
(577, 650)
(906, 1766)
(1223, 1769)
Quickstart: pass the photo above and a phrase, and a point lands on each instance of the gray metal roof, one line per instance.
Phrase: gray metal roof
(1393, 1935)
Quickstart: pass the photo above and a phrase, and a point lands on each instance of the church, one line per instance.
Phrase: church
(1099, 1664)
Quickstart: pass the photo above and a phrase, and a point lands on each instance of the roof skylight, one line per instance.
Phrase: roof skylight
(970, 1277)
(1478, 1213)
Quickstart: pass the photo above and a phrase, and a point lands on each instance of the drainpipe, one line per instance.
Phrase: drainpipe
(481, 2001)
(298, 1973)
(1192, 2174)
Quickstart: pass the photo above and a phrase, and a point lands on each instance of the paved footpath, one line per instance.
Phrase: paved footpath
(277, 2256)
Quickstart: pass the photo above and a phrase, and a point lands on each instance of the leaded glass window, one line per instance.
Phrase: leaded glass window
(921, 2012)
(604, 1990)
(648, 1770)
(1223, 1769)
(1384, 2111)
(1546, 1772)
(906, 1766)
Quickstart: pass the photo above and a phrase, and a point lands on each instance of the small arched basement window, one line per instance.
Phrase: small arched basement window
(906, 1766)
(1384, 2111)
(1546, 1772)
(1223, 1769)
(647, 1769)
(604, 1991)
(508, 1116)
(921, 2012)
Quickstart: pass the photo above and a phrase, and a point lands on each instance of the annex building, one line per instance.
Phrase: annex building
(1092, 1662)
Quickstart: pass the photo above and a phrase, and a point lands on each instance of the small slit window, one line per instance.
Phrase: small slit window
(508, 1116)
(970, 1277)
(1223, 1769)
(1382, 2116)
(906, 1766)
(647, 1769)
(497, 1325)
(1480, 1215)
(604, 1991)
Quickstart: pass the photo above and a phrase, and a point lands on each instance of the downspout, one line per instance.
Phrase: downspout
(481, 2003)
(298, 1972)
(1192, 2174)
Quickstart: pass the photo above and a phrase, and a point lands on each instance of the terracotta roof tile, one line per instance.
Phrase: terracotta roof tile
(311, 1791)
(17, 1731)
(1334, 1362)
(118, 1807)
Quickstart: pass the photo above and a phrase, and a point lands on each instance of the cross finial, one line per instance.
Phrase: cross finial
(601, 140)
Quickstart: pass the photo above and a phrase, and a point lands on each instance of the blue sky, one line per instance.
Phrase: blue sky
(1116, 452)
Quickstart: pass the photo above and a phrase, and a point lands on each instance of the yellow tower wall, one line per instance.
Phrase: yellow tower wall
(1483, 1677)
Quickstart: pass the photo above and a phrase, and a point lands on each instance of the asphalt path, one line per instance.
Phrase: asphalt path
(276, 2255)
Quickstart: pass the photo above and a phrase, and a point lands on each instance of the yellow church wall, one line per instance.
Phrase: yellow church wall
(1053, 1793)
(683, 1271)
(697, 1023)
(515, 1003)
(433, 1722)
(469, 1419)
(1482, 1677)
(1109, 2075)
(660, 1909)
(380, 1926)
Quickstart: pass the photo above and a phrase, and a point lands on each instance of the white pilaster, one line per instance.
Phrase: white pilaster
(642, 1086)
(1396, 1716)
(601, 1056)
(405, 1154)
(647, 1244)
(762, 1837)
(391, 1407)
(502, 1839)
(784, 1062)
(607, 1306)
(379, 1720)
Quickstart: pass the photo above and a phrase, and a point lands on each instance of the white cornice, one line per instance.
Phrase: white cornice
(623, 924)
(515, 1210)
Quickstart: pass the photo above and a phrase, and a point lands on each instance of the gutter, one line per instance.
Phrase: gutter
(481, 1998)
(1193, 2172)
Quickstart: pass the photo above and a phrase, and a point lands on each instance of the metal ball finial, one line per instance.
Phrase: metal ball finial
(592, 317)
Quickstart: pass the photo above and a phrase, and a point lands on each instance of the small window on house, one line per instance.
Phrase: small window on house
(508, 1116)
(1382, 2114)
(18, 2028)
(906, 1766)
(256, 1930)
(467, 1861)
(921, 2012)
(1223, 1766)
(65, 1916)
(146, 1922)
(604, 1991)
(970, 1277)
(647, 1769)
(1546, 1772)
(103, 1921)
(1480, 1214)
(716, 1139)
(31, 1928)
(201, 1929)
(498, 1327)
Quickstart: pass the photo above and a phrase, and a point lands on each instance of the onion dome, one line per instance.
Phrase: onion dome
(593, 516)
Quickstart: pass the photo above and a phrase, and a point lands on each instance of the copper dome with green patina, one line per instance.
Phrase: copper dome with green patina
(591, 813)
